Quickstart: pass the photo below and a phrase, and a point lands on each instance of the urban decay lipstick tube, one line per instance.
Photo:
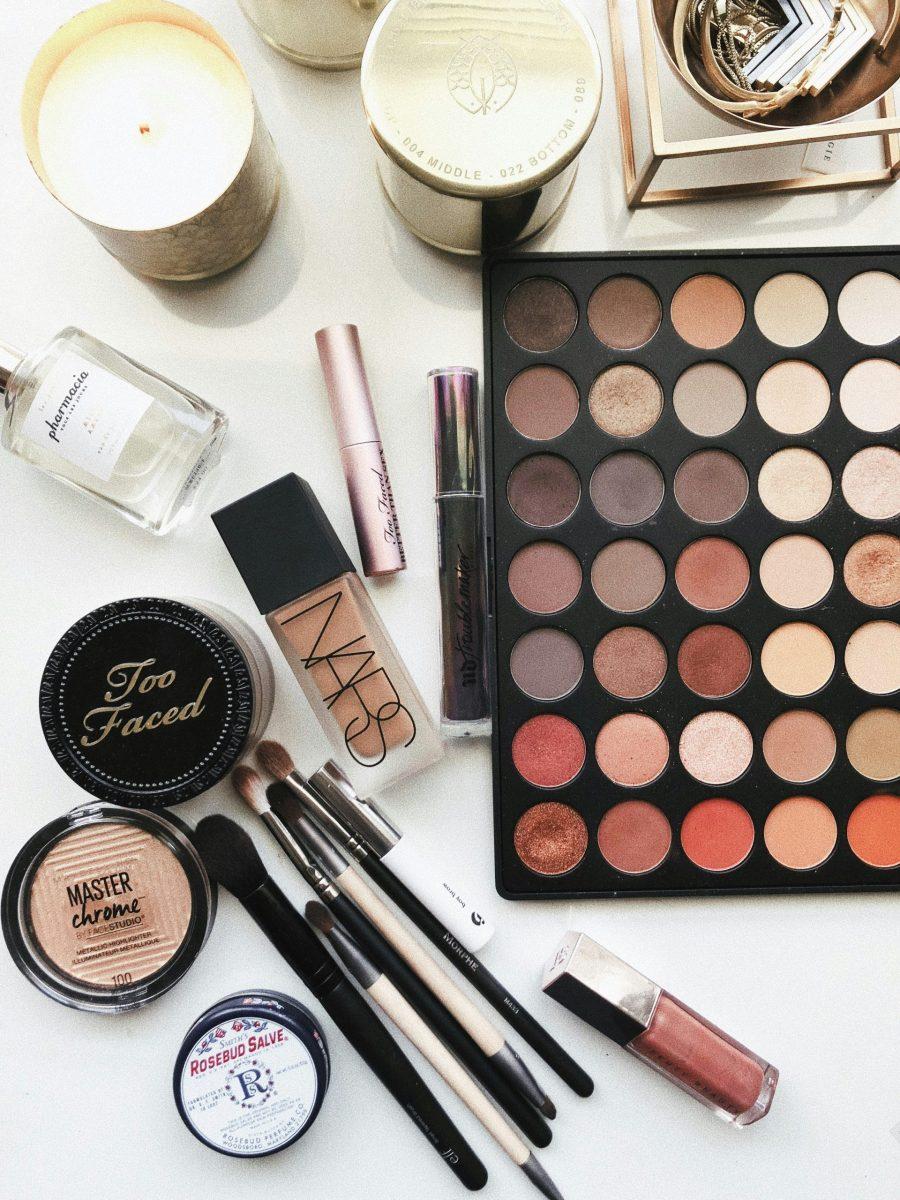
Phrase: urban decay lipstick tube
(322, 617)
(654, 1026)
(462, 566)
(362, 455)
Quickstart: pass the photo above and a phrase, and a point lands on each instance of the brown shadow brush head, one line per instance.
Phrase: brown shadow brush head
(249, 786)
(273, 757)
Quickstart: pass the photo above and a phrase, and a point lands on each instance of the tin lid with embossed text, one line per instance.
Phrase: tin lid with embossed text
(147, 702)
(484, 99)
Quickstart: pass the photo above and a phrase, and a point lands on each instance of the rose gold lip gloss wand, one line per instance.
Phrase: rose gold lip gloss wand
(362, 455)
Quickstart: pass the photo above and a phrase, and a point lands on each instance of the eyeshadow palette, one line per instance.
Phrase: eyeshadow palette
(693, 489)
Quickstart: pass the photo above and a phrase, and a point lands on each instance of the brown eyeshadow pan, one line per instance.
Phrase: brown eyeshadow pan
(624, 312)
(540, 314)
(708, 440)
(541, 403)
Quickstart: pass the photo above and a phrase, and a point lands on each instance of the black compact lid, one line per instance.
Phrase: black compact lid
(146, 702)
(282, 542)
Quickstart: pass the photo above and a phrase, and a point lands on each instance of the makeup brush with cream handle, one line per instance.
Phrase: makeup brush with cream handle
(480, 1028)
(408, 1021)
(318, 861)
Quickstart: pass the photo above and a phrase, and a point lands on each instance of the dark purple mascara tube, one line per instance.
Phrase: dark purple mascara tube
(462, 580)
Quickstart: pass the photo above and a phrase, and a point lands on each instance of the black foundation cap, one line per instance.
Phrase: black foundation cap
(282, 542)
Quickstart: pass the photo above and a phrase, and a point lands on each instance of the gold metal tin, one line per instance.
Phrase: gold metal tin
(479, 111)
(205, 243)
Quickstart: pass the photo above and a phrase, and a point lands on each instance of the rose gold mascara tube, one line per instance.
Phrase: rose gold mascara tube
(362, 455)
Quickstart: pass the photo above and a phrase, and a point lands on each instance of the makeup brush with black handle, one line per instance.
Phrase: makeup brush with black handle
(364, 824)
(318, 861)
(232, 860)
(275, 759)
(380, 989)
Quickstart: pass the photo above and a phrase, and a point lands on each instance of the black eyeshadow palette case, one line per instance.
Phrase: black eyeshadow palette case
(673, 799)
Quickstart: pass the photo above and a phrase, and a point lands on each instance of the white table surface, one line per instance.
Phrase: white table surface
(85, 1101)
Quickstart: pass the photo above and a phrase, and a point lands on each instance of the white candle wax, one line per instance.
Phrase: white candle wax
(144, 125)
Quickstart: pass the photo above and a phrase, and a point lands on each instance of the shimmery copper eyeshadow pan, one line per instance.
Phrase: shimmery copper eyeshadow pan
(693, 478)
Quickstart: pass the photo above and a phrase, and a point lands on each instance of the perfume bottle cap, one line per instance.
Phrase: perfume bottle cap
(457, 430)
(282, 542)
(348, 388)
(9, 360)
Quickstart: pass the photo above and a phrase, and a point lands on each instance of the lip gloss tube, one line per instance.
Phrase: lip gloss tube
(462, 566)
(362, 454)
(657, 1028)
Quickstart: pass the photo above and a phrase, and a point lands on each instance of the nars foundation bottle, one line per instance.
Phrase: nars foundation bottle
(362, 454)
(105, 909)
(654, 1026)
(151, 701)
(106, 426)
(251, 1074)
(302, 579)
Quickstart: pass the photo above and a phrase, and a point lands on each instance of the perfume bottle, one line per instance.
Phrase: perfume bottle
(328, 629)
(87, 415)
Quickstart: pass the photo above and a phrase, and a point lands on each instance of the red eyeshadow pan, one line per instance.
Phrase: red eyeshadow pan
(717, 834)
(548, 751)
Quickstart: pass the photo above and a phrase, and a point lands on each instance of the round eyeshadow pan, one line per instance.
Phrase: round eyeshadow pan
(709, 399)
(550, 838)
(791, 309)
(624, 312)
(543, 490)
(712, 573)
(800, 833)
(630, 662)
(634, 837)
(548, 751)
(625, 400)
(541, 403)
(714, 661)
(794, 484)
(872, 657)
(627, 488)
(717, 834)
(707, 311)
(711, 486)
(797, 658)
(799, 746)
(869, 308)
(873, 831)
(872, 570)
(628, 576)
(546, 664)
(870, 395)
(796, 571)
(873, 744)
(871, 483)
(540, 314)
(793, 397)
(716, 747)
(544, 577)
(632, 749)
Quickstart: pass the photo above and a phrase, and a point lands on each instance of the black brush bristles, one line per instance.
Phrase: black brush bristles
(230, 856)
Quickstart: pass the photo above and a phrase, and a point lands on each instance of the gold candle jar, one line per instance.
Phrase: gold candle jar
(328, 34)
(479, 111)
(139, 119)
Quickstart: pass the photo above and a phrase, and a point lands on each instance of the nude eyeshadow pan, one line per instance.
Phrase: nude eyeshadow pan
(693, 489)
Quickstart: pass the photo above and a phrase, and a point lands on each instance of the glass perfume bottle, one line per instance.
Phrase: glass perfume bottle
(328, 629)
(94, 419)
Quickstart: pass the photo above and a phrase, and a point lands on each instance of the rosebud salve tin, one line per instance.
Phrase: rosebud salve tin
(479, 112)
(251, 1074)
